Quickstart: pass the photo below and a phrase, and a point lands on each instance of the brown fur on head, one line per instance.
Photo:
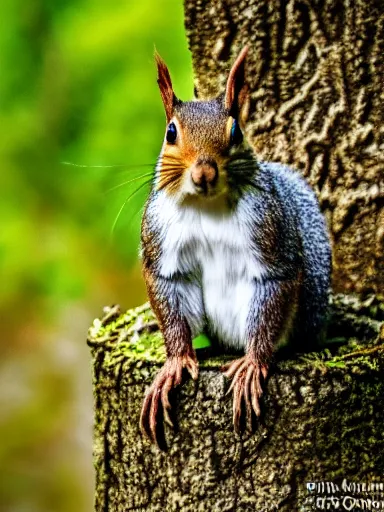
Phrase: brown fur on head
(199, 138)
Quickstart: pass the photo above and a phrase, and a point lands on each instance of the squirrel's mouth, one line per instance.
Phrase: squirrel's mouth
(213, 200)
(207, 195)
(203, 180)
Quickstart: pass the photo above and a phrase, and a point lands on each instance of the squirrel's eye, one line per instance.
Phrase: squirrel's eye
(171, 133)
(236, 135)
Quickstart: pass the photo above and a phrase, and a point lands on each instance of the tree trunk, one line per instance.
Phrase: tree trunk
(322, 421)
(316, 72)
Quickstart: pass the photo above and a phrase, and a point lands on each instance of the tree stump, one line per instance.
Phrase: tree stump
(322, 421)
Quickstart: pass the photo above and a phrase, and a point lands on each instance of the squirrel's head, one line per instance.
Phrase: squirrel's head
(201, 137)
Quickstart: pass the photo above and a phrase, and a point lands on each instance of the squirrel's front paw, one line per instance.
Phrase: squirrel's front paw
(156, 400)
(247, 378)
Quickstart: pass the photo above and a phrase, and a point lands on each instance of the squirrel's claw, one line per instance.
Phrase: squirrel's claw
(246, 374)
(165, 400)
(156, 401)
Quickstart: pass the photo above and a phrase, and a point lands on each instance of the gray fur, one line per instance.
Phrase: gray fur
(312, 246)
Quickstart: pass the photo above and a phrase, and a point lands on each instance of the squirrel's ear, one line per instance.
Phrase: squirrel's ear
(165, 86)
(236, 99)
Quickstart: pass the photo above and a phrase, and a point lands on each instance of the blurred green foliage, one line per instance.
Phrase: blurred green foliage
(77, 85)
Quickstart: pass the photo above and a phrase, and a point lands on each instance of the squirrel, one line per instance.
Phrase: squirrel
(231, 246)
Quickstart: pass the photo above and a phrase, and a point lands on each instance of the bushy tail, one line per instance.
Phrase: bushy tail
(313, 300)
(316, 256)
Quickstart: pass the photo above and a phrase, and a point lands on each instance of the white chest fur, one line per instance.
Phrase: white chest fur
(215, 248)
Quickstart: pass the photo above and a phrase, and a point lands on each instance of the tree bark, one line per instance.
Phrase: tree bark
(322, 421)
(316, 73)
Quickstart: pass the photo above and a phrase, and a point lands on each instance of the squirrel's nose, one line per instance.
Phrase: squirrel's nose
(204, 174)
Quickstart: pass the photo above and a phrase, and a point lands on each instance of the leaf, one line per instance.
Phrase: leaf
(201, 341)
(335, 364)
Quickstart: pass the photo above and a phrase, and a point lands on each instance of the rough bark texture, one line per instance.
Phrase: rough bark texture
(316, 72)
(322, 420)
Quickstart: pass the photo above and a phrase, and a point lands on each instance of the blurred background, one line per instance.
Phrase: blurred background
(81, 126)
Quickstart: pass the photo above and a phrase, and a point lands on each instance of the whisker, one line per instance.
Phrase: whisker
(125, 202)
(171, 170)
(177, 165)
(169, 182)
(166, 170)
(129, 181)
(154, 170)
(170, 179)
(127, 166)
(173, 166)
(245, 181)
(173, 187)
(169, 157)
(173, 162)
(242, 164)
(140, 209)
(241, 169)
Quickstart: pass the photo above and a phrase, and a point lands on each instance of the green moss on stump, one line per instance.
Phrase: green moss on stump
(134, 336)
